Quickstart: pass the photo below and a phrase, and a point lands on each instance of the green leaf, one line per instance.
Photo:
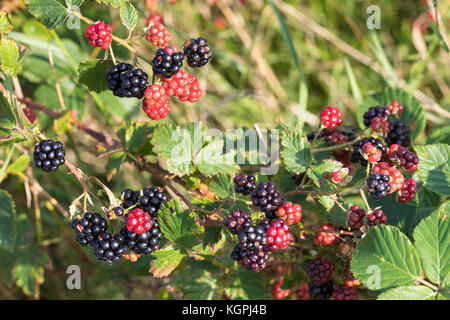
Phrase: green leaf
(9, 136)
(134, 136)
(317, 171)
(197, 284)
(19, 165)
(115, 162)
(7, 117)
(434, 170)
(413, 115)
(10, 57)
(439, 135)
(432, 241)
(5, 25)
(222, 185)
(8, 225)
(407, 293)
(29, 270)
(246, 285)
(178, 226)
(91, 74)
(112, 3)
(166, 260)
(51, 13)
(128, 15)
(385, 258)
(212, 160)
(296, 152)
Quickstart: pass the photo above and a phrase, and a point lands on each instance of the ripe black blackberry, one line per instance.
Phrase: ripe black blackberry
(124, 81)
(150, 201)
(357, 156)
(89, 227)
(237, 220)
(167, 62)
(375, 112)
(244, 183)
(110, 248)
(378, 185)
(253, 238)
(254, 261)
(323, 292)
(197, 52)
(49, 155)
(267, 197)
(398, 134)
(320, 271)
(144, 243)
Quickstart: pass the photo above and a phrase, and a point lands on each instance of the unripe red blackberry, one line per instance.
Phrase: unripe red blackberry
(303, 292)
(408, 191)
(267, 197)
(371, 153)
(49, 155)
(378, 185)
(154, 18)
(278, 293)
(254, 261)
(197, 52)
(138, 221)
(159, 36)
(355, 218)
(252, 238)
(290, 212)
(99, 35)
(344, 292)
(89, 227)
(331, 117)
(144, 243)
(322, 292)
(320, 271)
(357, 150)
(395, 108)
(156, 103)
(324, 238)
(403, 157)
(379, 125)
(278, 235)
(376, 217)
(395, 177)
(244, 183)
(237, 220)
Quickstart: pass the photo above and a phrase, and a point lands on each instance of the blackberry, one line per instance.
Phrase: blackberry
(197, 52)
(267, 197)
(323, 292)
(271, 215)
(325, 132)
(376, 217)
(144, 243)
(344, 292)
(357, 155)
(167, 62)
(237, 220)
(124, 81)
(49, 155)
(244, 183)
(254, 261)
(110, 248)
(253, 238)
(150, 201)
(278, 235)
(398, 134)
(320, 270)
(356, 216)
(378, 185)
(375, 112)
(89, 227)
(402, 156)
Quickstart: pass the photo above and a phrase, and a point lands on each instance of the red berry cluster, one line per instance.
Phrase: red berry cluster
(290, 212)
(356, 216)
(408, 191)
(403, 157)
(278, 293)
(99, 35)
(278, 235)
(158, 35)
(303, 292)
(156, 103)
(395, 108)
(138, 221)
(376, 217)
(396, 178)
(371, 153)
(380, 124)
(327, 236)
(184, 86)
(344, 292)
(331, 117)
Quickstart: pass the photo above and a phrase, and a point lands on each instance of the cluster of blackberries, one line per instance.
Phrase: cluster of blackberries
(88, 228)
(124, 81)
(167, 61)
(197, 52)
(378, 185)
(244, 183)
(357, 154)
(267, 197)
(150, 201)
(49, 155)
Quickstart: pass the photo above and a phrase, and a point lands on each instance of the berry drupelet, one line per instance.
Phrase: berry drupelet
(168, 61)
(124, 81)
(267, 197)
(49, 155)
(378, 185)
(357, 150)
(253, 238)
(197, 52)
(244, 183)
(89, 227)
(398, 134)
(110, 248)
(237, 220)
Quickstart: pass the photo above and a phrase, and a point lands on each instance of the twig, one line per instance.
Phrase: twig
(57, 86)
